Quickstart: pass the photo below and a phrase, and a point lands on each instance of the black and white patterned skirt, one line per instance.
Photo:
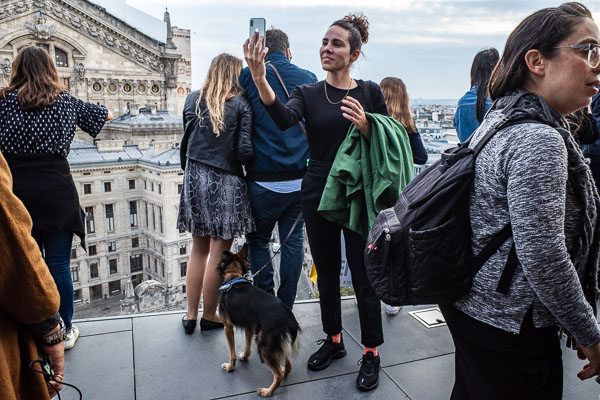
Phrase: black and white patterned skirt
(214, 203)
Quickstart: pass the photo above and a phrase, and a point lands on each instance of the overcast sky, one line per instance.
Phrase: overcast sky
(429, 44)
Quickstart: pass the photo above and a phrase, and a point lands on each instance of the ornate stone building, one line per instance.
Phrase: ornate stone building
(105, 51)
(130, 196)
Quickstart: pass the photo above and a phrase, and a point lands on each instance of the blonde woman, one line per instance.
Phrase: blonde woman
(398, 105)
(214, 205)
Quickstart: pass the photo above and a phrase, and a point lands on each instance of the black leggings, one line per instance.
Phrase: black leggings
(493, 364)
(324, 240)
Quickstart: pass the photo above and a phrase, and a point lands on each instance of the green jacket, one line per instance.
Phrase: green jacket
(367, 177)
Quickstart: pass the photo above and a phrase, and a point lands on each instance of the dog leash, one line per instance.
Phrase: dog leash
(278, 250)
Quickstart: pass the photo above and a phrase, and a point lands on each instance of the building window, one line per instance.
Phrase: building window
(110, 217)
(44, 46)
(159, 188)
(183, 269)
(75, 274)
(112, 266)
(87, 188)
(73, 253)
(146, 212)
(152, 186)
(155, 265)
(155, 89)
(89, 220)
(153, 217)
(179, 188)
(131, 184)
(160, 219)
(96, 87)
(182, 249)
(133, 218)
(92, 250)
(183, 289)
(112, 87)
(135, 242)
(107, 186)
(77, 295)
(93, 270)
(135, 263)
(162, 269)
(112, 246)
(145, 184)
(127, 88)
(60, 57)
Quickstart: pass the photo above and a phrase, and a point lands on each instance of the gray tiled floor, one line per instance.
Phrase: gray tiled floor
(150, 357)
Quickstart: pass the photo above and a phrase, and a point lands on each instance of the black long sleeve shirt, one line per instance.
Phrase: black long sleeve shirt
(325, 125)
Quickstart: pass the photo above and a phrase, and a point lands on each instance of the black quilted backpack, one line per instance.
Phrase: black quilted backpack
(419, 251)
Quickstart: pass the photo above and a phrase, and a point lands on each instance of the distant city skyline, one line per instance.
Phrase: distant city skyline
(429, 44)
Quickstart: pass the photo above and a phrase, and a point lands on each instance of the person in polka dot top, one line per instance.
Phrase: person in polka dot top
(37, 124)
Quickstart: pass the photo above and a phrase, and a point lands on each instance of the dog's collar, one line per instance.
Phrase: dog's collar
(226, 287)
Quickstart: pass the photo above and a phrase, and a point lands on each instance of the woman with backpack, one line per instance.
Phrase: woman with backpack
(532, 177)
(475, 103)
(329, 107)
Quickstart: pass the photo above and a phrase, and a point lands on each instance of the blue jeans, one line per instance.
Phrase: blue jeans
(268, 208)
(55, 246)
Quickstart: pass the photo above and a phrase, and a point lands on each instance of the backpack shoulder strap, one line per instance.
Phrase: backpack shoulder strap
(367, 93)
(286, 92)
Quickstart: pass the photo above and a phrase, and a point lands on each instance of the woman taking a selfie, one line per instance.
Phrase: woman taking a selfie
(215, 204)
(329, 108)
(37, 124)
(532, 177)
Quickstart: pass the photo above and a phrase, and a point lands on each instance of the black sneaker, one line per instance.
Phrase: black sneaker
(368, 376)
(329, 351)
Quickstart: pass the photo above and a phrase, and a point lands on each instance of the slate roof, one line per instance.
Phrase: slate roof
(83, 154)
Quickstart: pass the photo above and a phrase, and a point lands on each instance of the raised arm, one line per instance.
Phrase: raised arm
(256, 64)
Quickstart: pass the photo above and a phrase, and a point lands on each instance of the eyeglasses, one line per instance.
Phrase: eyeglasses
(593, 52)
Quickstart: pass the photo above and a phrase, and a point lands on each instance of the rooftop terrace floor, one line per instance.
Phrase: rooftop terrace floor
(147, 357)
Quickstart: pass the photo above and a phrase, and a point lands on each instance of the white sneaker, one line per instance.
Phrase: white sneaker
(71, 338)
(392, 310)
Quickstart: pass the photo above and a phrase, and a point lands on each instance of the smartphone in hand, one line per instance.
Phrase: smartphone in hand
(258, 25)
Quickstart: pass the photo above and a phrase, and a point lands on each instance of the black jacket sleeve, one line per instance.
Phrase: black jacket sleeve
(244, 148)
(418, 150)
(289, 114)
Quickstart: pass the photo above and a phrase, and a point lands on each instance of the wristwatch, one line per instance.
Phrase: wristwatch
(57, 337)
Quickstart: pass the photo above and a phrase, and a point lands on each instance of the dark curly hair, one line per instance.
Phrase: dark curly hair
(357, 26)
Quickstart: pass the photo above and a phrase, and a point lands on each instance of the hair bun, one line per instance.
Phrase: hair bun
(361, 23)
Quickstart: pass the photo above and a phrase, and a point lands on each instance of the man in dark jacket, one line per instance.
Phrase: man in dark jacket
(275, 173)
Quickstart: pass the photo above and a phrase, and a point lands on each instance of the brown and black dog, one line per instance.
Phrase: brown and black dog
(262, 315)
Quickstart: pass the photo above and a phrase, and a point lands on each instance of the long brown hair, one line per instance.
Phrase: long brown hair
(543, 30)
(398, 104)
(36, 78)
(222, 83)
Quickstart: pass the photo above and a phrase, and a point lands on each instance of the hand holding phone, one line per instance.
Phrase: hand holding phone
(258, 25)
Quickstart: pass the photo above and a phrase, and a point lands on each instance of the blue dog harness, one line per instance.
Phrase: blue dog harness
(226, 287)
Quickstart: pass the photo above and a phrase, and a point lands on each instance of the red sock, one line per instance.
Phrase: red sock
(336, 338)
(372, 350)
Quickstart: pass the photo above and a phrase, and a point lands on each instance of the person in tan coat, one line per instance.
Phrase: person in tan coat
(29, 321)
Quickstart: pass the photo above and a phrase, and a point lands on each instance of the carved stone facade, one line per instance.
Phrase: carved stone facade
(100, 57)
